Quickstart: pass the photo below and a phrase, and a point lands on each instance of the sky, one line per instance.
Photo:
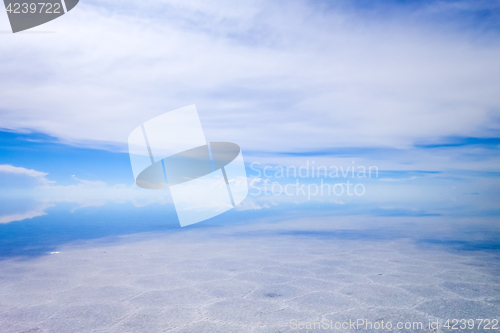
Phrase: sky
(410, 87)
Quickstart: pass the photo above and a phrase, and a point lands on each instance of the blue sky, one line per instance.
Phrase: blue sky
(408, 86)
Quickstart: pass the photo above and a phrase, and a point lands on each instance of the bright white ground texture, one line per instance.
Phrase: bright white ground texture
(245, 279)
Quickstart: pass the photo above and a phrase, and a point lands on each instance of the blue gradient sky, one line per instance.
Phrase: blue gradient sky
(408, 86)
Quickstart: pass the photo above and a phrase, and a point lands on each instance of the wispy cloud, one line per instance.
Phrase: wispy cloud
(34, 212)
(10, 169)
(39, 193)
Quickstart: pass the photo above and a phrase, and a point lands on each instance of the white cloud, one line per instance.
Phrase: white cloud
(7, 218)
(268, 76)
(31, 200)
(6, 168)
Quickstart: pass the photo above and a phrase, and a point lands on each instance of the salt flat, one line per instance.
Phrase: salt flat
(255, 278)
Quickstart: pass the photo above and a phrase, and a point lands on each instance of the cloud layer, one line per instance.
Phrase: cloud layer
(294, 76)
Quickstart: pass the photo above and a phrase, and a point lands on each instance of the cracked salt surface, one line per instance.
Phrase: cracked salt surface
(232, 280)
